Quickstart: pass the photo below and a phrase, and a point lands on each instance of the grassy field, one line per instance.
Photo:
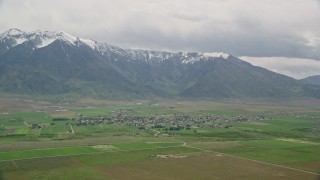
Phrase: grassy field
(293, 154)
(291, 139)
(64, 151)
(145, 145)
(138, 165)
(37, 153)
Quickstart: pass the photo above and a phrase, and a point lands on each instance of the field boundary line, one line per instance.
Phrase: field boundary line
(15, 165)
(278, 165)
(239, 157)
(253, 160)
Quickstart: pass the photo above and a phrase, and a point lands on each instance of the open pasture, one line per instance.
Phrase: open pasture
(292, 154)
(38, 153)
(64, 151)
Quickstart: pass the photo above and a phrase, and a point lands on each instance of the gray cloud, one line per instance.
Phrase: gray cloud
(293, 67)
(240, 27)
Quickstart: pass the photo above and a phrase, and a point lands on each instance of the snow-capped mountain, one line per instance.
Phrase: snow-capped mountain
(44, 62)
(39, 39)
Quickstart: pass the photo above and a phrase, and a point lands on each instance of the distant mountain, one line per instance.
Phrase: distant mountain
(43, 62)
(311, 86)
(313, 80)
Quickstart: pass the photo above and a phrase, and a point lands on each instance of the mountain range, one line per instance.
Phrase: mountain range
(43, 62)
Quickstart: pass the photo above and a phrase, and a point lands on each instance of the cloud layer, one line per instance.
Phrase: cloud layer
(240, 27)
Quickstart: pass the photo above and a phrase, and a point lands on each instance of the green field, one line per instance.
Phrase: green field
(279, 152)
(45, 153)
(145, 145)
(55, 129)
(33, 146)
(38, 153)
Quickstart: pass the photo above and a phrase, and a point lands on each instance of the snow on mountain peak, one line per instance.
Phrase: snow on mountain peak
(216, 55)
(48, 37)
(15, 37)
(52, 36)
(40, 39)
(67, 37)
(12, 32)
(43, 38)
(190, 58)
(90, 43)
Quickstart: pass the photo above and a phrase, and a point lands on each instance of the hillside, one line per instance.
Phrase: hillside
(312, 80)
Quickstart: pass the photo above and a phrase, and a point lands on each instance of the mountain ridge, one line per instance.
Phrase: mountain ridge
(45, 38)
(43, 62)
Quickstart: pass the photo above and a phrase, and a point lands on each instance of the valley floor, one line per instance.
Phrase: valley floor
(39, 139)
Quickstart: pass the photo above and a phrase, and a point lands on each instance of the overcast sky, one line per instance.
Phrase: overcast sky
(256, 28)
(294, 67)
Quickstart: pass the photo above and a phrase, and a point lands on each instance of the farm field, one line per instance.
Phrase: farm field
(138, 165)
(64, 151)
(96, 139)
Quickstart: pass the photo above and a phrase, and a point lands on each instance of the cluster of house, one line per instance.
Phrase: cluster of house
(169, 121)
